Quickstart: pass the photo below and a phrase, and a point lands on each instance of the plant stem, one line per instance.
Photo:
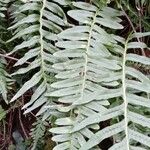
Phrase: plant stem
(26, 136)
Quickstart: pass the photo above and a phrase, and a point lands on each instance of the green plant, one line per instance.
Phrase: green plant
(85, 69)
(37, 132)
(2, 113)
(5, 81)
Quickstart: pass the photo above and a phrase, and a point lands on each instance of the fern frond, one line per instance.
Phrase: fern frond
(86, 76)
(41, 22)
(38, 131)
(5, 80)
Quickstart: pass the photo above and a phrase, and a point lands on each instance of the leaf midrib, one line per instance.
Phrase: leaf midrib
(41, 41)
(86, 57)
(124, 94)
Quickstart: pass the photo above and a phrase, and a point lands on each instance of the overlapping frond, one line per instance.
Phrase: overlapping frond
(87, 77)
(3, 10)
(40, 22)
(96, 73)
(37, 132)
(5, 80)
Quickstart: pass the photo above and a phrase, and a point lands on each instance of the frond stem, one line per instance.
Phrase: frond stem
(41, 39)
(87, 49)
(124, 94)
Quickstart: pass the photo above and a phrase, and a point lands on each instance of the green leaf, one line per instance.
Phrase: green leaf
(137, 58)
(29, 84)
(62, 146)
(60, 130)
(2, 113)
(136, 45)
(29, 19)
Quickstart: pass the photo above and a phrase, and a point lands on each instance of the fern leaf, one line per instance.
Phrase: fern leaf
(5, 80)
(38, 32)
(38, 131)
(79, 87)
